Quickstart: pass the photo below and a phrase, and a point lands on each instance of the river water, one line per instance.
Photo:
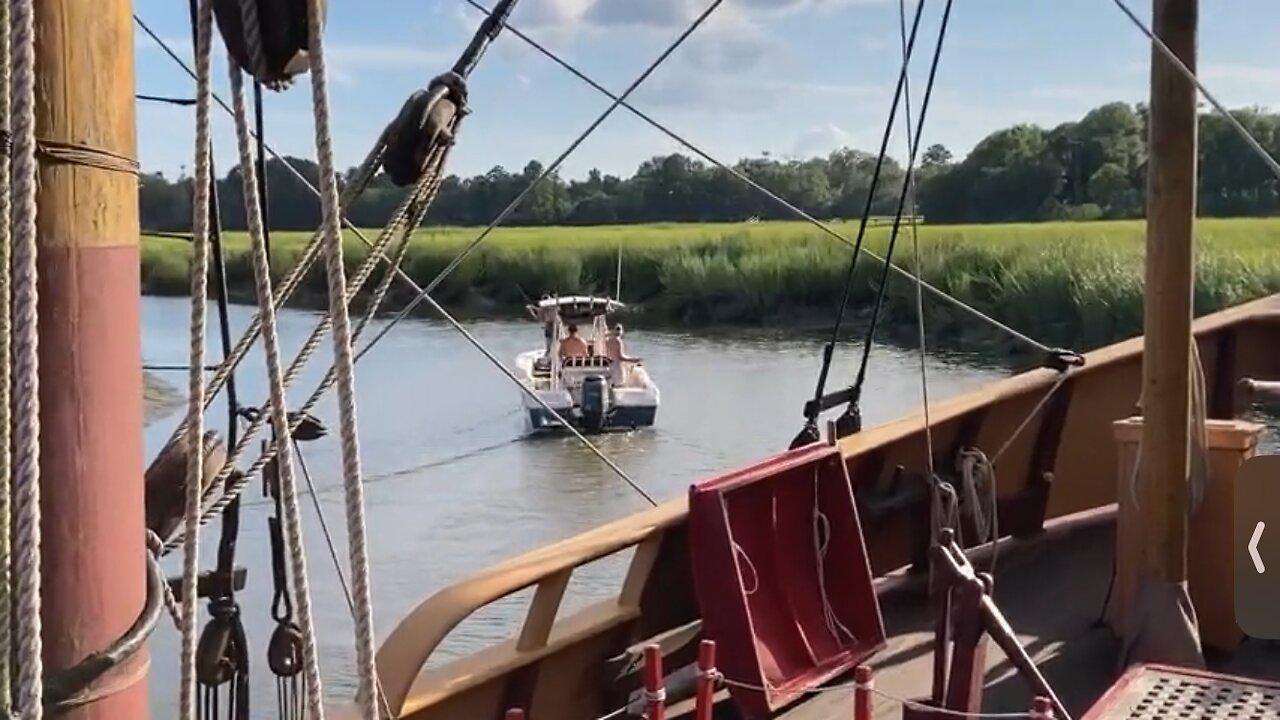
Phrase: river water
(452, 487)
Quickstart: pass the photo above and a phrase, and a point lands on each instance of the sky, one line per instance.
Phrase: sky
(793, 78)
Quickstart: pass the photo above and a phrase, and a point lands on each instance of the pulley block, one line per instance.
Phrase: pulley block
(284, 650)
(425, 122)
(282, 43)
(222, 651)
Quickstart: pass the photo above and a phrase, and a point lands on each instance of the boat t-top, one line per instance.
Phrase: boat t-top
(582, 371)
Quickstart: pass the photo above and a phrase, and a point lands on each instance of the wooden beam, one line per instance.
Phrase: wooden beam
(91, 417)
(1171, 209)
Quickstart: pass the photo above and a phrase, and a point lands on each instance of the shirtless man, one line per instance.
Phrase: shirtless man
(573, 345)
(617, 354)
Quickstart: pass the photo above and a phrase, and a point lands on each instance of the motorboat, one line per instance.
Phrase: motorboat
(586, 389)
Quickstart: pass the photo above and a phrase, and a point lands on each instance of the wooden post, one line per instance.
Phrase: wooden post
(90, 356)
(863, 704)
(654, 684)
(704, 695)
(1171, 208)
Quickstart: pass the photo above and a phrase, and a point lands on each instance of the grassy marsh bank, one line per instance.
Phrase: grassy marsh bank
(1074, 284)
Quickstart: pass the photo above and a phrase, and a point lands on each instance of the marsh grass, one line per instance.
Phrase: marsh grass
(1077, 284)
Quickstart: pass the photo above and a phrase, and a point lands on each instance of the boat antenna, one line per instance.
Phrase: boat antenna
(617, 283)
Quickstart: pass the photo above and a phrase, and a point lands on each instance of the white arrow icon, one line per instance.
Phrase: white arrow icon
(1253, 547)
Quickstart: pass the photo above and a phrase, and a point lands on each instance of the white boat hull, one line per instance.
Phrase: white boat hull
(617, 407)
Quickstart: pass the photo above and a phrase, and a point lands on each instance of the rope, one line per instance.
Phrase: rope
(242, 347)
(26, 369)
(915, 235)
(821, 541)
(252, 33)
(555, 165)
(6, 379)
(399, 223)
(1198, 479)
(287, 288)
(908, 48)
(1169, 55)
(781, 202)
(337, 563)
(978, 485)
(156, 548)
(56, 151)
(423, 294)
(199, 275)
(280, 424)
(344, 363)
(902, 198)
(595, 450)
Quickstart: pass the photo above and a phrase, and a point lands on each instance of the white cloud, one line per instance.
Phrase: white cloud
(821, 140)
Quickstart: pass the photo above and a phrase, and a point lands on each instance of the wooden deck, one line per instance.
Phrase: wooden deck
(1052, 594)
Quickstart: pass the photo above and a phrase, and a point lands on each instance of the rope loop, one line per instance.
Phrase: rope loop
(425, 123)
(79, 684)
(655, 696)
(267, 38)
(70, 153)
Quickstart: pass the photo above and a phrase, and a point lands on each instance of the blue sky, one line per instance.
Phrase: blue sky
(790, 77)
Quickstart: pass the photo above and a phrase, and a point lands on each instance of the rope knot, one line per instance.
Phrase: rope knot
(714, 675)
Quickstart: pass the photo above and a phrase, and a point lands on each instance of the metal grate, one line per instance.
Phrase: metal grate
(1160, 695)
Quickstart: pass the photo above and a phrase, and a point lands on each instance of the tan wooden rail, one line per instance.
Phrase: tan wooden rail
(405, 652)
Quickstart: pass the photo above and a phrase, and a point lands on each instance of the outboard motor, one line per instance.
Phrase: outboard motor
(595, 402)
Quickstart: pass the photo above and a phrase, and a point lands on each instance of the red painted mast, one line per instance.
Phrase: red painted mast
(91, 413)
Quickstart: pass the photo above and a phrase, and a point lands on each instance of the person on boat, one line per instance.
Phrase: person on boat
(573, 346)
(617, 354)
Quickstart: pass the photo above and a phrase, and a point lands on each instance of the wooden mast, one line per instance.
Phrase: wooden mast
(90, 356)
(1171, 210)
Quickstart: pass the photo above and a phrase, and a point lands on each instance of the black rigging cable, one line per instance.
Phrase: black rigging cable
(1055, 358)
(809, 433)
(183, 102)
(851, 420)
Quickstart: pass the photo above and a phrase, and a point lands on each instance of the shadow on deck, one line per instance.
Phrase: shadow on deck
(1052, 592)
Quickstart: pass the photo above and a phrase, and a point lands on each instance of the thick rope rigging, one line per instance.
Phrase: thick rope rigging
(6, 379)
(26, 370)
(291, 283)
(377, 254)
(199, 276)
(345, 364)
(280, 426)
(223, 637)
(547, 171)
(222, 653)
(398, 225)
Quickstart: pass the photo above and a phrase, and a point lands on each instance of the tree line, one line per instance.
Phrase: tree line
(1087, 169)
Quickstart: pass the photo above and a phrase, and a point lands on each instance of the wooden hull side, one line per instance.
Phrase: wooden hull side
(1062, 462)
